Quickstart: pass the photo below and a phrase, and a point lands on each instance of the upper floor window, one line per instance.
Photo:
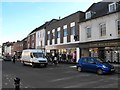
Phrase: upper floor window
(103, 29)
(53, 33)
(118, 26)
(65, 30)
(58, 34)
(89, 14)
(32, 37)
(48, 36)
(113, 7)
(88, 32)
(73, 30)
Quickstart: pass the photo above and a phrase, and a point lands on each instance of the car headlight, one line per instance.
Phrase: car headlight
(104, 66)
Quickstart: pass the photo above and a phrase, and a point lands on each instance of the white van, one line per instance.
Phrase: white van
(33, 57)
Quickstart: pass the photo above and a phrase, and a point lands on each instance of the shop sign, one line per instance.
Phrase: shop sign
(104, 44)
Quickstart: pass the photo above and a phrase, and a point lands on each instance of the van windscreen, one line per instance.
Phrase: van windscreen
(37, 55)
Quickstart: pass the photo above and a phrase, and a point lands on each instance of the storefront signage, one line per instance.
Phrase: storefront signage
(102, 44)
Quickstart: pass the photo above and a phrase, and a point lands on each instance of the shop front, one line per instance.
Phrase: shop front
(108, 50)
(65, 52)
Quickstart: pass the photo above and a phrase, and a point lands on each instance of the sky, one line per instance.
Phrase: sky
(19, 17)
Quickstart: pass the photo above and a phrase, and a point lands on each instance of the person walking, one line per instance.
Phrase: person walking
(14, 57)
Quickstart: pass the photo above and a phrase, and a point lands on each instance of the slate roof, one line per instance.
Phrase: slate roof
(100, 9)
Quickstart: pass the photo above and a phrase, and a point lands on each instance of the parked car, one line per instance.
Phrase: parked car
(95, 65)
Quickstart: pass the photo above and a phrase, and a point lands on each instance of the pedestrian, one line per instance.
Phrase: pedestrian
(14, 57)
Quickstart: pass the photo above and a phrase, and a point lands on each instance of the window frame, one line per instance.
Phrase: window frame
(88, 32)
(102, 29)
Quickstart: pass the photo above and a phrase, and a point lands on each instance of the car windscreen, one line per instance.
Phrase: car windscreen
(37, 55)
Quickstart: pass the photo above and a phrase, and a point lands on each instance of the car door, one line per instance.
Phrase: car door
(91, 64)
(84, 63)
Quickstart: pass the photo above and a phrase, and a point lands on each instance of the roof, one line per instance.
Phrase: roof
(100, 9)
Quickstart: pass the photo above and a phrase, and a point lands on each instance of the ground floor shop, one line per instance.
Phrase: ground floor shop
(65, 52)
(108, 50)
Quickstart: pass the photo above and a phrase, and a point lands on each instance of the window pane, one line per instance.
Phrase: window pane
(88, 30)
(73, 30)
(65, 32)
(102, 29)
(118, 26)
(58, 34)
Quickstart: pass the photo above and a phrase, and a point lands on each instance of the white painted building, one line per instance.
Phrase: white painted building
(100, 31)
(40, 39)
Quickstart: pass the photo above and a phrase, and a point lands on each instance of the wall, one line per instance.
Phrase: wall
(110, 21)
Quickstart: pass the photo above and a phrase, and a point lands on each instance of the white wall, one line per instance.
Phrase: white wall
(40, 36)
(111, 28)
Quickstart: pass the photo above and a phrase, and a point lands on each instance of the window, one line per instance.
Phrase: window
(48, 36)
(88, 32)
(88, 15)
(65, 32)
(112, 7)
(53, 35)
(73, 30)
(58, 34)
(118, 26)
(32, 37)
(102, 29)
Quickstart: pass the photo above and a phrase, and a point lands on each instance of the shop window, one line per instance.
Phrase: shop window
(103, 29)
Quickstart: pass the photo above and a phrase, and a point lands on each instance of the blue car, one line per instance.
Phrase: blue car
(95, 65)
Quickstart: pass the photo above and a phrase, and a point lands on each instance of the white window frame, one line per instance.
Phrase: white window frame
(102, 29)
(88, 15)
(48, 35)
(58, 32)
(112, 7)
(65, 30)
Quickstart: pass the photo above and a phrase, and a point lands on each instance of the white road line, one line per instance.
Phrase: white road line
(73, 66)
(65, 78)
(83, 84)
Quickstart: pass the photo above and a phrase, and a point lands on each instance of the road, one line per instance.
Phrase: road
(61, 76)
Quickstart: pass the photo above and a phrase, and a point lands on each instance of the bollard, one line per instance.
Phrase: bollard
(17, 83)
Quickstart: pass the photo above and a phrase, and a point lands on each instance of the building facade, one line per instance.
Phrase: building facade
(100, 31)
(62, 36)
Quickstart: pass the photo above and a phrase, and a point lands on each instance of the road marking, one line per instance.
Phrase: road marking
(65, 78)
(73, 66)
(83, 84)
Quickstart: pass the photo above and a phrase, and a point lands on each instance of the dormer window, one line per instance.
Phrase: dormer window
(113, 7)
(89, 14)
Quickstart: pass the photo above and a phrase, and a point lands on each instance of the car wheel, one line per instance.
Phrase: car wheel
(23, 63)
(79, 69)
(33, 65)
(99, 71)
